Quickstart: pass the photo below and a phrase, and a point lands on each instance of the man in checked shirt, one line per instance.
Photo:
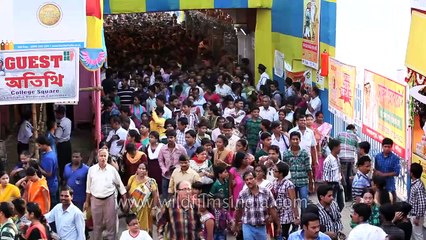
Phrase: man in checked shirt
(417, 200)
(254, 204)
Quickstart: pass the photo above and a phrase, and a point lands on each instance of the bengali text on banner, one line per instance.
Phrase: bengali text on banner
(385, 110)
(341, 85)
(43, 76)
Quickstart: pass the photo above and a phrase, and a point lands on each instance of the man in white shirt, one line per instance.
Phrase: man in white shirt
(68, 218)
(221, 88)
(161, 102)
(266, 111)
(364, 230)
(314, 105)
(232, 139)
(103, 181)
(25, 133)
(63, 136)
(263, 76)
(192, 83)
(116, 137)
(308, 141)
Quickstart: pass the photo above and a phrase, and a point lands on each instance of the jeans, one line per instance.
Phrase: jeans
(302, 197)
(347, 172)
(254, 233)
(219, 236)
(165, 188)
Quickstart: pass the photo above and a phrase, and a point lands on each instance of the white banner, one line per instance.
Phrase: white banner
(42, 24)
(279, 64)
(46, 76)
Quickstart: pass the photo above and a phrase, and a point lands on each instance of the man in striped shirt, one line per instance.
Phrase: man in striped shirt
(125, 93)
(328, 210)
(8, 229)
(361, 180)
(417, 200)
(331, 173)
(348, 153)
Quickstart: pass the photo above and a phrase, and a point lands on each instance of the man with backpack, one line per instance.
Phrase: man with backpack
(8, 230)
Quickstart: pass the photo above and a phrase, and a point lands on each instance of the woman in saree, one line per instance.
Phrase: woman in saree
(132, 158)
(143, 192)
(36, 190)
(322, 132)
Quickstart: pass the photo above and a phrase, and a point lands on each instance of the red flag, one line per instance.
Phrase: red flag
(93, 8)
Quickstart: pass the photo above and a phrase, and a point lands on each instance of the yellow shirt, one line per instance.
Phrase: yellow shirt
(9, 193)
(157, 124)
(178, 176)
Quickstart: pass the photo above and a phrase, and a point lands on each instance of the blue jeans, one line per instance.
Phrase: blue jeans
(254, 233)
(302, 196)
(165, 188)
(219, 236)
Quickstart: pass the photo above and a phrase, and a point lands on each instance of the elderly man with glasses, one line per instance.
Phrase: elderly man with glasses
(181, 216)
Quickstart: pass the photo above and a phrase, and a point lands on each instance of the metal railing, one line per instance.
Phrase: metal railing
(339, 125)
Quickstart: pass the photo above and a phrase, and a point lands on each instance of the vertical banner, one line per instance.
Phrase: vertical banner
(385, 110)
(311, 31)
(279, 64)
(320, 81)
(341, 86)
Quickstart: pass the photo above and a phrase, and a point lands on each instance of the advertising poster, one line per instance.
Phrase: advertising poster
(39, 24)
(311, 31)
(341, 86)
(419, 128)
(43, 76)
(385, 110)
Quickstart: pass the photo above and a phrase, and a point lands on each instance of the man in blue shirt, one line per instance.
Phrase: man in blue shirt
(75, 175)
(51, 128)
(49, 167)
(388, 165)
(310, 229)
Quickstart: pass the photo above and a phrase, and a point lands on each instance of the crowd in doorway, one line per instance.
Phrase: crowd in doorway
(193, 149)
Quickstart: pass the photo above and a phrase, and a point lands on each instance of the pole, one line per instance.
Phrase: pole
(35, 127)
(97, 107)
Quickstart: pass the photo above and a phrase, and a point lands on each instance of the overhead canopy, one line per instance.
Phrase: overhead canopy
(136, 6)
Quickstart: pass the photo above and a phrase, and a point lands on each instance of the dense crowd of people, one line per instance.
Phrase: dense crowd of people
(192, 148)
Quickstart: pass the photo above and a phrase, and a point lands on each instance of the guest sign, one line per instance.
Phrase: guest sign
(46, 76)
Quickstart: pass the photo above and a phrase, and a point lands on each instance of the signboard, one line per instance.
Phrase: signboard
(311, 31)
(43, 76)
(42, 24)
(385, 110)
(341, 85)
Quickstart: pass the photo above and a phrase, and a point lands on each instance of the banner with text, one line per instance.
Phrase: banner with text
(311, 31)
(341, 87)
(46, 76)
(42, 24)
(385, 110)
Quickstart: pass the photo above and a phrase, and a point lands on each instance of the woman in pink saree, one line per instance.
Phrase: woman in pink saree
(322, 132)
